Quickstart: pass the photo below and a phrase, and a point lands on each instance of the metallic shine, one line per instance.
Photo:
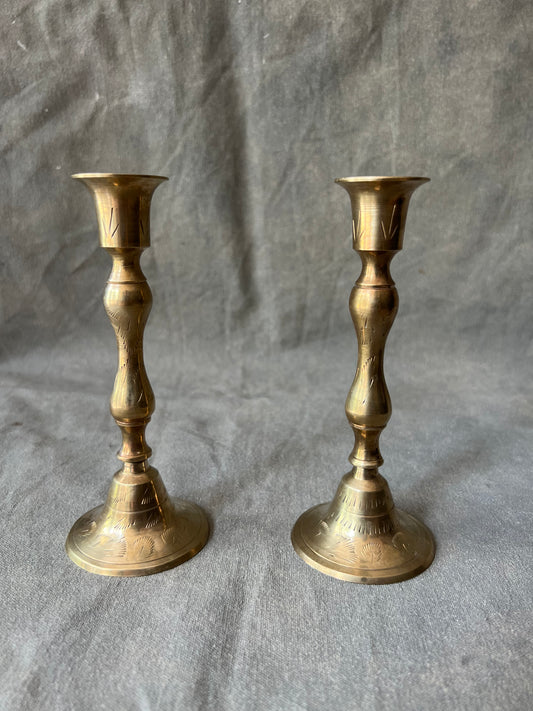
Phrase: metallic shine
(140, 529)
(360, 536)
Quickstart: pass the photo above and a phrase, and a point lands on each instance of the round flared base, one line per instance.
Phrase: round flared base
(131, 549)
(405, 550)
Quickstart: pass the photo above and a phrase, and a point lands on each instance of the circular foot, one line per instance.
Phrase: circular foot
(340, 551)
(129, 547)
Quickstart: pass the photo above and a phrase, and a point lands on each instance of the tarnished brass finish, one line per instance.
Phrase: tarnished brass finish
(360, 536)
(139, 530)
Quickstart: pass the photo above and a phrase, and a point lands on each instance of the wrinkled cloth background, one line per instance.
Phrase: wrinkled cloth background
(252, 109)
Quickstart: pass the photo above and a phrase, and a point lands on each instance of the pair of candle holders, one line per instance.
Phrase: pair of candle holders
(360, 536)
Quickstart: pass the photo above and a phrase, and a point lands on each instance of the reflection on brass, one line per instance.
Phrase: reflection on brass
(360, 536)
(139, 530)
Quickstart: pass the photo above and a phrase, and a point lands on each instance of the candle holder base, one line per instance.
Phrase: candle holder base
(384, 546)
(140, 530)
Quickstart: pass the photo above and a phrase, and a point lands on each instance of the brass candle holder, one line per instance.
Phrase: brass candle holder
(360, 536)
(139, 530)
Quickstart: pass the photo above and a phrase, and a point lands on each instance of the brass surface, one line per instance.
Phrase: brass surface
(140, 529)
(360, 536)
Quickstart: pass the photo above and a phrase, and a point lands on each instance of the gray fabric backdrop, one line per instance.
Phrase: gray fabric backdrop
(252, 108)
